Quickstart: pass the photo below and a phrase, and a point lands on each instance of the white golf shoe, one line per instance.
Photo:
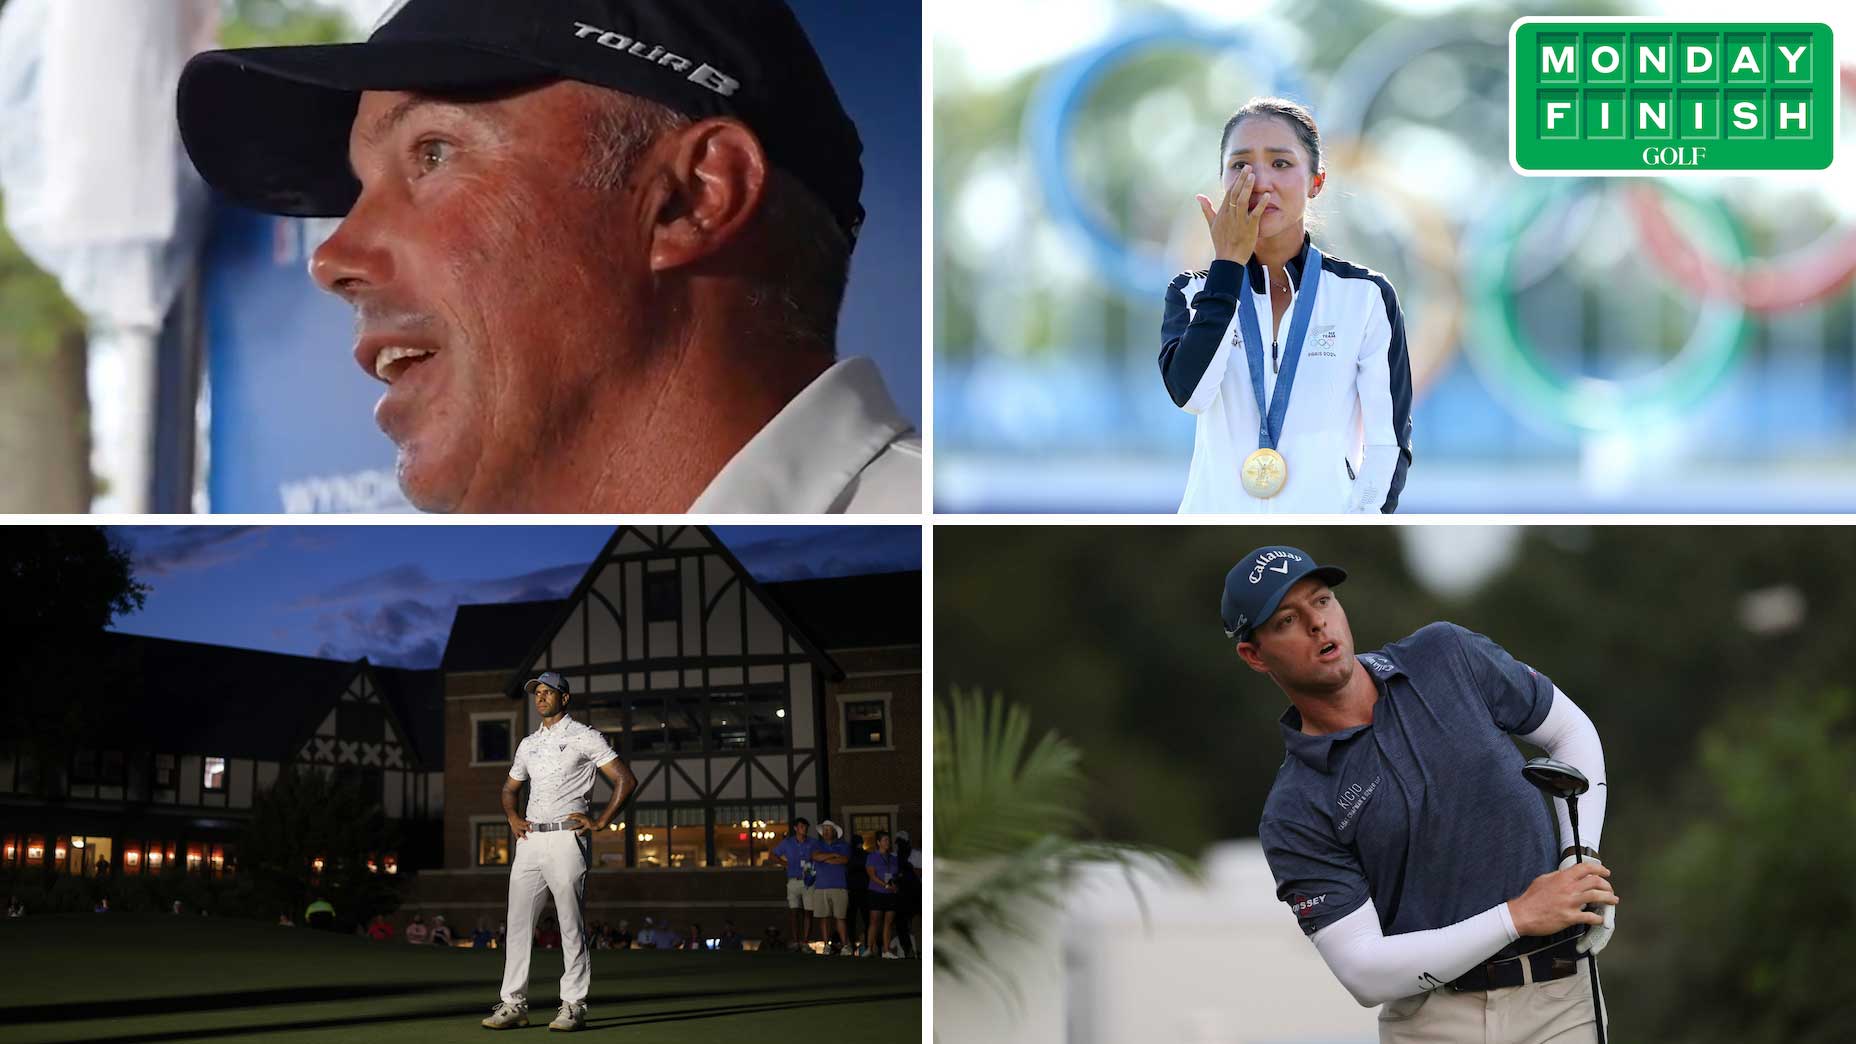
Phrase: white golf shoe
(571, 1017)
(507, 1016)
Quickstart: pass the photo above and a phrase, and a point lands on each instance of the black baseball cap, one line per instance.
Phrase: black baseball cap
(269, 126)
(1255, 586)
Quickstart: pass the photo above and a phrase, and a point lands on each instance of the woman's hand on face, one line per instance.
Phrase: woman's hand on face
(1235, 223)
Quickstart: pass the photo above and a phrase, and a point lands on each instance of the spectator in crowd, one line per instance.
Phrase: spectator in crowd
(319, 914)
(647, 936)
(730, 938)
(794, 852)
(378, 929)
(177, 907)
(103, 867)
(441, 932)
(696, 940)
(15, 908)
(622, 935)
(668, 938)
(908, 892)
(416, 932)
(858, 883)
(103, 905)
(771, 942)
(830, 891)
(549, 937)
(880, 870)
(482, 938)
(284, 921)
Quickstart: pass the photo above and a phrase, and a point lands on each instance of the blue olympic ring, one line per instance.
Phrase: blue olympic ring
(1058, 102)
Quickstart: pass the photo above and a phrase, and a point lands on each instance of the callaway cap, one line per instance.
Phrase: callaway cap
(269, 126)
(549, 678)
(1255, 586)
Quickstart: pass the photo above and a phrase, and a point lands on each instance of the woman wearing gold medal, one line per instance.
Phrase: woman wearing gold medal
(1294, 362)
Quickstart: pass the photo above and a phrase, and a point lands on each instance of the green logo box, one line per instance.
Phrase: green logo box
(1636, 97)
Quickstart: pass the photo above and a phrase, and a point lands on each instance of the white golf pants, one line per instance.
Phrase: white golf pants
(556, 862)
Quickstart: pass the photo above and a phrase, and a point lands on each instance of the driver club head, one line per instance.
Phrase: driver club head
(1556, 778)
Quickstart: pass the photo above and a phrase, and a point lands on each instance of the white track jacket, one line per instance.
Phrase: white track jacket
(1347, 434)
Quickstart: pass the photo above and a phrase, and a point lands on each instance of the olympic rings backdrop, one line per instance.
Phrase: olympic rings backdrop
(1577, 344)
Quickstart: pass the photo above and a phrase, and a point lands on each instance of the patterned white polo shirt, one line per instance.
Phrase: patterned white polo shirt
(559, 764)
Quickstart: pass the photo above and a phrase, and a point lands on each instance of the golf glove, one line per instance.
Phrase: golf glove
(1596, 935)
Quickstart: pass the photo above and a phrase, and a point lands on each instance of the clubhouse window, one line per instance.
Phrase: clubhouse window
(663, 597)
(164, 771)
(492, 740)
(866, 724)
(492, 844)
(214, 774)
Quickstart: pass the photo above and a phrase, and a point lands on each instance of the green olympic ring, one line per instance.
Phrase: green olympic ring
(1501, 351)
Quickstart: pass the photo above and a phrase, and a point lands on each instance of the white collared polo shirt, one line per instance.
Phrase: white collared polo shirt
(559, 764)
(840, 447)
(1347, 432)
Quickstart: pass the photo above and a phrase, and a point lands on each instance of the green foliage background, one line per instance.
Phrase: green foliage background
(1731, 753)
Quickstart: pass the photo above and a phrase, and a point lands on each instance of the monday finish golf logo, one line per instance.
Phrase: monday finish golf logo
(1628, 96)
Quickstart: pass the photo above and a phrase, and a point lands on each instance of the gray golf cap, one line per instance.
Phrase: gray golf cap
(551, 679)
(1254, 587)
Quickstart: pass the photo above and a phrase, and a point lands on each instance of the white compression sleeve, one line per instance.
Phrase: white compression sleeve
(1568, 735)
(1377, 968)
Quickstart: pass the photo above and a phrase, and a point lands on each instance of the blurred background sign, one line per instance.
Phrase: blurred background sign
(1577, 345)
(230, 387)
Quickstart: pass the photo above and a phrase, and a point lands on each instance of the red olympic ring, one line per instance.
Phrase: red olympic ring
(1802, 277)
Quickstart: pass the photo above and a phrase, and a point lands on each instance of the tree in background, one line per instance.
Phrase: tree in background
(1759, 886)
(304, 817)
(60, 586)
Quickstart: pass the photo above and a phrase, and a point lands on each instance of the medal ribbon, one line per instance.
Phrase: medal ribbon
(1272, 418)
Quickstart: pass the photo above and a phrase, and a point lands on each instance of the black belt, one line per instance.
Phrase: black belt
(1557, 957)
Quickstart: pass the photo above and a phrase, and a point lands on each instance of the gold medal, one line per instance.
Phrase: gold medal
(1264, 473)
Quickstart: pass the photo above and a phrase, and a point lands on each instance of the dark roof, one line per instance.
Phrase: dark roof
(851, 612)
(214, 699)
(495, 637)
(246, 703)
(418, 698)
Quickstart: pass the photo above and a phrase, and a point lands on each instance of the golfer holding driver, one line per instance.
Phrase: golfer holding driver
(1400, 829)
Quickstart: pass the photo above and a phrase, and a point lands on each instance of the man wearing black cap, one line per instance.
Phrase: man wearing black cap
(595, 248)
(1400, 830)
(553, 847)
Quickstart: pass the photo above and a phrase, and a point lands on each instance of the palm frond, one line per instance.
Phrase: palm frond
(1006, 820)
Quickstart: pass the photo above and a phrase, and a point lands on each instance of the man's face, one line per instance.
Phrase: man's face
(1306, 644)
(548, 702)
(521, 294)
(801, 829)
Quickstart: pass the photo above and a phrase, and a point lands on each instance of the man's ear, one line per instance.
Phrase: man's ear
(716, 173)
(1252, 657)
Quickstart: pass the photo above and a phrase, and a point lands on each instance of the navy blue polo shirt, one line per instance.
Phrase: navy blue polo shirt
(1425, 810)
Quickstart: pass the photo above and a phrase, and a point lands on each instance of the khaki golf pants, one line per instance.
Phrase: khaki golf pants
(1557, 1012)
(555, 862)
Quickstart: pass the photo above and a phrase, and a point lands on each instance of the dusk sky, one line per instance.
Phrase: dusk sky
(389, 592)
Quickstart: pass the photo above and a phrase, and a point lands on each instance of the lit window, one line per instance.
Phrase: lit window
(215, 778)
(492, 844)
(866, 723)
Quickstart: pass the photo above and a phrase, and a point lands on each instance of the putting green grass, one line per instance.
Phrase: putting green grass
(150, 978)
